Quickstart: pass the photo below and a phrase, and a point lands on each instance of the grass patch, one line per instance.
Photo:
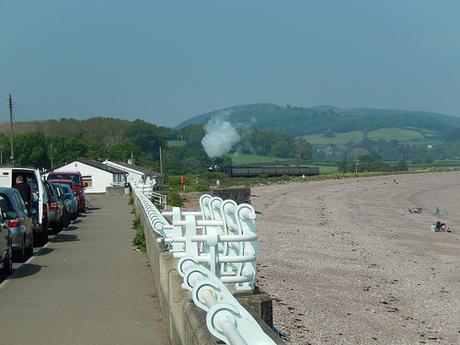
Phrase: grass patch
(139, 236)
(338, 138)
(399, 134)
(173, 198)
(247, 159)
(176, 143)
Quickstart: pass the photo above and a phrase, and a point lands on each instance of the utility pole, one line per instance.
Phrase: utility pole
(52, 157)
(161, 163)
(10, 107)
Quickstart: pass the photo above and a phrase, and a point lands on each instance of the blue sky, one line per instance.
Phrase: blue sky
(165, 61)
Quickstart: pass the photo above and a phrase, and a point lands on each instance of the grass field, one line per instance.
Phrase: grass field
(176, 143)
(245, 159)
(339, 138)
(401, 134)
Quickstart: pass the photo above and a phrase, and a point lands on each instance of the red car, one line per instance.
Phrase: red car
(74, 176)
(79, 195)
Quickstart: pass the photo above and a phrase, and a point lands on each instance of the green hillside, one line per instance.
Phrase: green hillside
(298, 121)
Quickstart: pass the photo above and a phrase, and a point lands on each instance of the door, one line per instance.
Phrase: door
(41, 196)
(4, 232)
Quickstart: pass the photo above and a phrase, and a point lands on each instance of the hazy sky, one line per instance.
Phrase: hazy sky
(164, 61)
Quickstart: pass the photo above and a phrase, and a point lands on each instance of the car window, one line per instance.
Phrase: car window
(67, 189)
(49, 190)
(5, 203)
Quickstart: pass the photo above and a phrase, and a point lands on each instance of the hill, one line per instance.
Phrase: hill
(298, 121)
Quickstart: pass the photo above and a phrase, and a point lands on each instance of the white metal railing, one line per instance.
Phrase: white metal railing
(222, 236)
(159, 199)
(215, 246)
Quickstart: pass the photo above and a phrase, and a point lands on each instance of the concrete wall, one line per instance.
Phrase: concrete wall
(186, 322)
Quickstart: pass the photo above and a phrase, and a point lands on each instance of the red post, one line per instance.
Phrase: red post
(182, 182)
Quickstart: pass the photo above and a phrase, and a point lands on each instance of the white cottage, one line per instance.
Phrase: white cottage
(96, 175)
(136, 173)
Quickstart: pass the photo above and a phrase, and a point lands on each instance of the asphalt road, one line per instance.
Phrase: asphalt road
(86, 286)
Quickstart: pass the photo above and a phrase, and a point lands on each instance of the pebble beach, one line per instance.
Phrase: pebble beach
(347, 263)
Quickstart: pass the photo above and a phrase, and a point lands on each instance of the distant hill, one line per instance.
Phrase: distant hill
(298, 121)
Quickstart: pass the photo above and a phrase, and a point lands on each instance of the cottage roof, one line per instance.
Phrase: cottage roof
(95, 164)
(145, 171)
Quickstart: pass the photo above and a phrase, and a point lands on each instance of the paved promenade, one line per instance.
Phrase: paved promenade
(87, 286)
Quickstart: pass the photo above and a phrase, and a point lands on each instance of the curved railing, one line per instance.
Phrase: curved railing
(216, 246)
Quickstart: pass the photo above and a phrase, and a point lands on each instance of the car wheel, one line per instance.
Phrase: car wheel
(30, 249)
(58, 227)
(44, 234)
(66, 219)
(8, 263)
(20, 254)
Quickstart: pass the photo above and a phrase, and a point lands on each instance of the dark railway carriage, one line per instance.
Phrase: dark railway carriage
(254, 171)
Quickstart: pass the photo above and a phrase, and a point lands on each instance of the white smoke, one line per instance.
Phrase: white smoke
(220, 137)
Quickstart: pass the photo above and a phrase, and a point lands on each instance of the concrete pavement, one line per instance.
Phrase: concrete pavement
(87, 286)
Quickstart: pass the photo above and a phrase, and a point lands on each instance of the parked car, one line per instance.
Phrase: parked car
(68, 198)
(58, 216)
(76, 177)
(40, 199)
(17, 220)
(6, 247)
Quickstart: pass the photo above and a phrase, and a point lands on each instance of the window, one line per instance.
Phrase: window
(87, 181)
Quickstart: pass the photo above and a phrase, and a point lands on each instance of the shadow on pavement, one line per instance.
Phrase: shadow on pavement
(71, 228)
(44, 251)
(65, 238)
(26, 270)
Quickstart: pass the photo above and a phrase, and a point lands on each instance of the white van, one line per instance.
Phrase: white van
(39, 207)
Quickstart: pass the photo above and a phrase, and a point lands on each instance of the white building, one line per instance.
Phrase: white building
(136, 173)
(95, 175)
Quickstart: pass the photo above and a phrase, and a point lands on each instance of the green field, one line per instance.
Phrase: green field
(176, 143)
(245, 159)
(401, 134)
(339, 138)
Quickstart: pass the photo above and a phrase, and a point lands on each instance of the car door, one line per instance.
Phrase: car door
(23, 214)
(4, 231)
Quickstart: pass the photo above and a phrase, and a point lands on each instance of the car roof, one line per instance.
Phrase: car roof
(8, 191)
(59, 172)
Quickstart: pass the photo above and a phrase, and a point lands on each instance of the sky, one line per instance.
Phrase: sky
(166, 61)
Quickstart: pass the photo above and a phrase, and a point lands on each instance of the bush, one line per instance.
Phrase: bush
(174, 198)
(139, 236)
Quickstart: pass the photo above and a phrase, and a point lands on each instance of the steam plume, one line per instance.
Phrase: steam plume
(220, 137)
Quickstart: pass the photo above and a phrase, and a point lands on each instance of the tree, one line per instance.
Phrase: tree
(31, 150)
